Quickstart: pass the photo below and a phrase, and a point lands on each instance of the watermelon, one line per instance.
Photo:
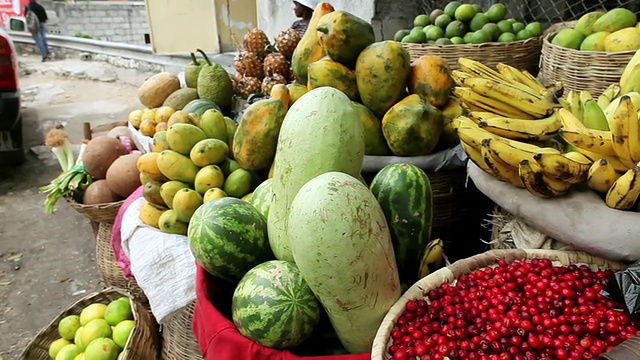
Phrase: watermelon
(228, 237)
(404, 193)
(273, 305)
(199, 106)
(261, 197)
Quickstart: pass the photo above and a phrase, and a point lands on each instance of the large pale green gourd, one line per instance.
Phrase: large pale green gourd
(344, 251)
(320, 133)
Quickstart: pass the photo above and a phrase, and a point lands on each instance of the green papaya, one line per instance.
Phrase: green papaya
(326, 72)
(343, 36)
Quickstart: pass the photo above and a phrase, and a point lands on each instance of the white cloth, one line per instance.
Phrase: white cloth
(162, 264)
(142, 142)
(311, 4)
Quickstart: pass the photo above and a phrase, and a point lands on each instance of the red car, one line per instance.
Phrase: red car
(11, 144)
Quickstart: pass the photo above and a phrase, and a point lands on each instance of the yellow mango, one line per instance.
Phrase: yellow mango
(150, 214)
(185, 203)
(176, 166)
(183, 137)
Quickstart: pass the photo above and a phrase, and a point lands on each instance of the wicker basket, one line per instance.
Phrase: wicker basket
(451, 205)
(108, 267)
(100, 213)
(178, 340)
(143, 343)
(524, 54)
(450, 273)
(580, 70)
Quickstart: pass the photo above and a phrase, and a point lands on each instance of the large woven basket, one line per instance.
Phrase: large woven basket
(178, 340)
(450, 273)
(524, 54)
(108, 268)
(100, 213)
(143, 343)
(580, 70)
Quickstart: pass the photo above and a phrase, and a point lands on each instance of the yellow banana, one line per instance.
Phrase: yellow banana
(513, 152)
(635, 98)
(564, 103)
(634, 136)
(620, 123)
(603, 102)
(593, 140)
(601, 176)
(476, 157)
(499, 168)
(478, 69)
(526, 101)
(519, 129)
(612, 160)
(630, 82)
(569, 120)
(612, 91)
(560, 187)
(478, 116)
(584, 96)
(517, 78)
(473, 135)
(593, 116)
(459, 76)
(432, 256)
(476, 101)
(578, 156)
(562, 167)
(574, 100)
(538, 184)
(625, 191)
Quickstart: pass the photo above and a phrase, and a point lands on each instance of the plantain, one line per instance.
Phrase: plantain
(519, 129)
(539, 184)
(625, 191)
(476, 101)
(594, 117)
(563, 168)
(513, 152)
(620, 123)
(432, 258)
(499, 168)
(601, 176)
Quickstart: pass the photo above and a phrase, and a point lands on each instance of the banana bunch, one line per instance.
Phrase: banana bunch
(630, 79)
(433, 258)
(544, 171)
(591, 111)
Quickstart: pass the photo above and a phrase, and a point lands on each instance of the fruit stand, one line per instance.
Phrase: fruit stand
(313, 219)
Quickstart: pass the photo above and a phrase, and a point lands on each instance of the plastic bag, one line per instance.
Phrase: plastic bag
(625, 288)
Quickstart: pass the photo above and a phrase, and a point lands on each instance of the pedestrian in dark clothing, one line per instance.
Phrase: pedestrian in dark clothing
(39, 33)
(303, 10)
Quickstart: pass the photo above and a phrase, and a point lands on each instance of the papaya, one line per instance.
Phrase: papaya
(213, 124)
(169, 223)
(231, 132)
(295, 92)
(238, 184)
(374, 142)
(614, 20)
(343, 36)
(183, 137)
(151, 193)
(450, 111)
(431, 78)
(412, 127)
(210, 176)
(209, 152)
(176, 166)
(382, 71)
(213, 193)
(280, 92)
(185, 203)
(150, 214)
(326, 72)
(254, 144)
(309, 49)
(160, 141)
(169, 189)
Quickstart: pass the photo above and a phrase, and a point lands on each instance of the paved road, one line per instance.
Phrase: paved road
(47, 261)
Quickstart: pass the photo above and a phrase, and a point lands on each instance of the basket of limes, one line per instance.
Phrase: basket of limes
(465, 30)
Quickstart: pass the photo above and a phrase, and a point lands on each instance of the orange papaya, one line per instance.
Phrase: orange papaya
(281, 92)
(326, 72)
(343, 36)
(295, 92)
(412, 127)
(309, 49)
(431, 78)
(254, 144)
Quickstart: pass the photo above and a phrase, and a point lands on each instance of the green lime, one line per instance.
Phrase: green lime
(477, 8)
(400, 34)
(457, 40)
(455, 28)
(451, 8)
(480, 37)
(479, 20)
(407, 39)
(442, 21)
(497, 12)
(417, 35)
(434, 33)
(512, 20)
(517, 27)
(535, 28)
(505, 26)
(467, 37)
(493, 30)
(523, 34)
(421, 20)
(507, 37)
(434, 14)
(431, 42)
(444, 41)
(465, 12)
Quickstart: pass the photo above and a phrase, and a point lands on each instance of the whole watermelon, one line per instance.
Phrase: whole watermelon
(404, 193)
(273, 305)
(262, 196)
(228, 237)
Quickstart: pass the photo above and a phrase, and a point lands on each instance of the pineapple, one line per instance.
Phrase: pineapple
(269, 81)
(276, 63)
(287, 41)
(248, 86)
(256, 41)
(248, 64)
(236, 79)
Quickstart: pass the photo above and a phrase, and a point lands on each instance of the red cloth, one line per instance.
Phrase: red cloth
(218, 337)
(116, 239)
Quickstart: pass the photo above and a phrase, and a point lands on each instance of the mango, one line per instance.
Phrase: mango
(594, 42)
(195, 119)
(584, 25)
(169, 189)
(182, 137)
(144, 178)
(160, 141)
(568, 38)
(147, 163)
(213, 124)
(185, 203)
(374, 142)
(326, 72)
(309, 49)
(228, 166)
(614, 20)
(382, 71)
(176, 166)
(151, 193)
(179, 117)
(208, 152)
(412, 127)
(231, 132)
(209, 177)
(238, 184)
(295, 92)
(343, 36)
(213, 193)
(623, 40)
(169, 223)
(150, 214)
(431, 78)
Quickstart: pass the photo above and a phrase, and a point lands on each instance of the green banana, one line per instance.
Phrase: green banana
(594, 117)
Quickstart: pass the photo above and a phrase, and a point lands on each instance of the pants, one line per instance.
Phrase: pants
(41, 40)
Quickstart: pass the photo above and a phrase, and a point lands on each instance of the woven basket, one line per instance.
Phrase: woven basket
(100, 213)
(524, 54)
(143, 343)
(450, 273)
(580, 70)
(108, 267)
(451, 205)
(178, 340)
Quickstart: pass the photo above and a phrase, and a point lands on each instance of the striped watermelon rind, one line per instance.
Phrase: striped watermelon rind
(228, 237)
(273, 305)
(404, 193)
(262, 196)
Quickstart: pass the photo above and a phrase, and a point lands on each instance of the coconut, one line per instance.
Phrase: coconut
(123, 176)
(100, 153)
(98, 192)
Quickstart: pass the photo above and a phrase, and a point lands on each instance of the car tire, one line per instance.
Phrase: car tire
(17, 156)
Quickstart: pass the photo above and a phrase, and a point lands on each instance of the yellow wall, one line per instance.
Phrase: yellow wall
(235, 18)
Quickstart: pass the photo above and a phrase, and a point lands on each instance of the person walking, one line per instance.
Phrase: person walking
(36, 18)
(303, 10)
